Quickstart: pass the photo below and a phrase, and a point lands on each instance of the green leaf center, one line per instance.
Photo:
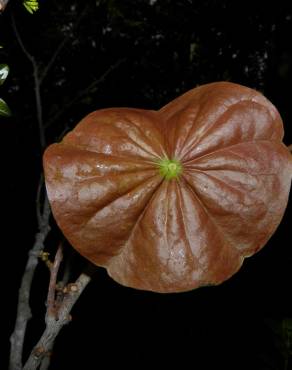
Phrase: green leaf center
(170, 168)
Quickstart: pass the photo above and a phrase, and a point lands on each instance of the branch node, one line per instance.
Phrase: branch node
(44, 256)
(70, 288)
(38, 352)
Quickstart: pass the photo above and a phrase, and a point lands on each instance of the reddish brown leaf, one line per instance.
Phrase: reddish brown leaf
(192, 227)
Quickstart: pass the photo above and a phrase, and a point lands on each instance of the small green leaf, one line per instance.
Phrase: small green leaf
(28, 8)
(31, 6)
(4, 109)
(4, 71)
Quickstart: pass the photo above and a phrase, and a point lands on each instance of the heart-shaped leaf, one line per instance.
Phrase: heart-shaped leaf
(174, 199)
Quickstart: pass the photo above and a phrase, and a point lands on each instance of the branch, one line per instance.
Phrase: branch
(39, 108)
(67, 270)
(61, 46)
(38, 199)
(56, 319)
(19, 40)
(23, 314)
(51, 309)
(37, 84)
(84, 92)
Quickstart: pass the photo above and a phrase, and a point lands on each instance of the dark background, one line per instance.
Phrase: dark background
(143, 54)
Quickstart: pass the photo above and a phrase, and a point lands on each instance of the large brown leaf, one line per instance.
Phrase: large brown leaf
(112, 201)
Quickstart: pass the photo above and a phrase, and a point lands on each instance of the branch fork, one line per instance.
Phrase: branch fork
(60, 301)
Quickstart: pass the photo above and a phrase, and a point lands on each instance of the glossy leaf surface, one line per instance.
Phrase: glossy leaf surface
(173, 233)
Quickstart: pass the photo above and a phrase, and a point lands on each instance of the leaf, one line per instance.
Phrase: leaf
(4, 109)
(4, 71)
(31, 6)
(181, 210)
(28, 8)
